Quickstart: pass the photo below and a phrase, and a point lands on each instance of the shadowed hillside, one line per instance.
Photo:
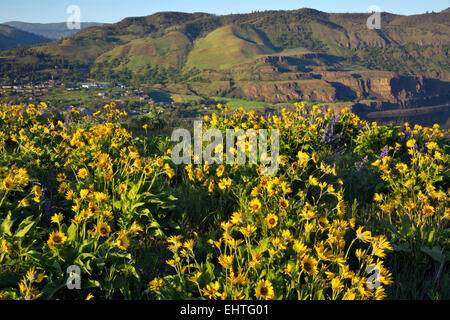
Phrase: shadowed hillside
(11, 37)
(53, 31)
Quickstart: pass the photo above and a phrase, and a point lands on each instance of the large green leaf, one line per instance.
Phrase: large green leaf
(25, 226)
(5, 226)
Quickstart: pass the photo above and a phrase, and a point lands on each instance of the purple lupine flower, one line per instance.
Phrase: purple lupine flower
(67, 121)
(384, 152)
(47, 208)
(329, 129)
(361, 164)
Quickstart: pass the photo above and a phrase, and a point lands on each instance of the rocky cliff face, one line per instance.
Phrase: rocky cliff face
(387, 88)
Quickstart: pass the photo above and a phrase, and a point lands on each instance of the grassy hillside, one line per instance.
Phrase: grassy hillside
(228, 46)
(168, 50)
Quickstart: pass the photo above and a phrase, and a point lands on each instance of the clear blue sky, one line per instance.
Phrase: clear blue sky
(116, 10)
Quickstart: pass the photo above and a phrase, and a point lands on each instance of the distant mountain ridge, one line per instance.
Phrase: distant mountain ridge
(11, 37)
(53, 31)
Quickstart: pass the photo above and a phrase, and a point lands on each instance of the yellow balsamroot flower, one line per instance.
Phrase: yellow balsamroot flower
(136, 228)
(323, 223)
(5, 247)
(122, 241)
(237, 218)
(173, 262)
(195, 277)
(309, 227)
(428, 211)
(101, 197)
(56, 238)
(307, 212)
(33, 276)
(315, 157)
(225, 183)
(226, 261)
(148, 170)
(254, 205)
(90, 296)
(103, 229)
(234, 243)
(349, 295)
(84, 193)
(303, 158)
(57, 218)
(70, 194)
(160, 162)
(401, 167)
(155, 284)
(200, 176)
(189, 244)
(212, 290)
(411, 143)
(337, 285)
(360, 253)
(226, 225)
(322, 252)
(309, 265)
(264, 290)
(122, 188)
(447, 213)
(271, 220)
(220, 170)
(313, 181)
(364, 236)
(283, 203)
(237, 278)
(82, 173)
(37, 190)
(300, 248)
(211, 186)
(129, 170)
(174, 239)
(432, 146)
(286, 235)
(380, 294)
(24, 202)
(61, 177)
(248, 230)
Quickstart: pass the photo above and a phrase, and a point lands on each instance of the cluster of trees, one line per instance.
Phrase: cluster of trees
(410, 58)
(24, 65)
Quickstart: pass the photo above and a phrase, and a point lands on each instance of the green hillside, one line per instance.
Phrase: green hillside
(137, 55)
(228, 46)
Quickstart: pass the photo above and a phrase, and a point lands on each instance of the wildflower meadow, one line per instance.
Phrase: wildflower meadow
(91, 209)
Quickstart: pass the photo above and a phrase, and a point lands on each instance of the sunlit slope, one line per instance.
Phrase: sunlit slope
(228, 46)
(168, 51)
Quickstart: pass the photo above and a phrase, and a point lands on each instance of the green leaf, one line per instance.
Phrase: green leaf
(5, 227)
(24, 227)
(435, 253)
(86, 284)
(431, 236)
(72, 232)
(402, 247)
(8, 280)
(262, 245)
